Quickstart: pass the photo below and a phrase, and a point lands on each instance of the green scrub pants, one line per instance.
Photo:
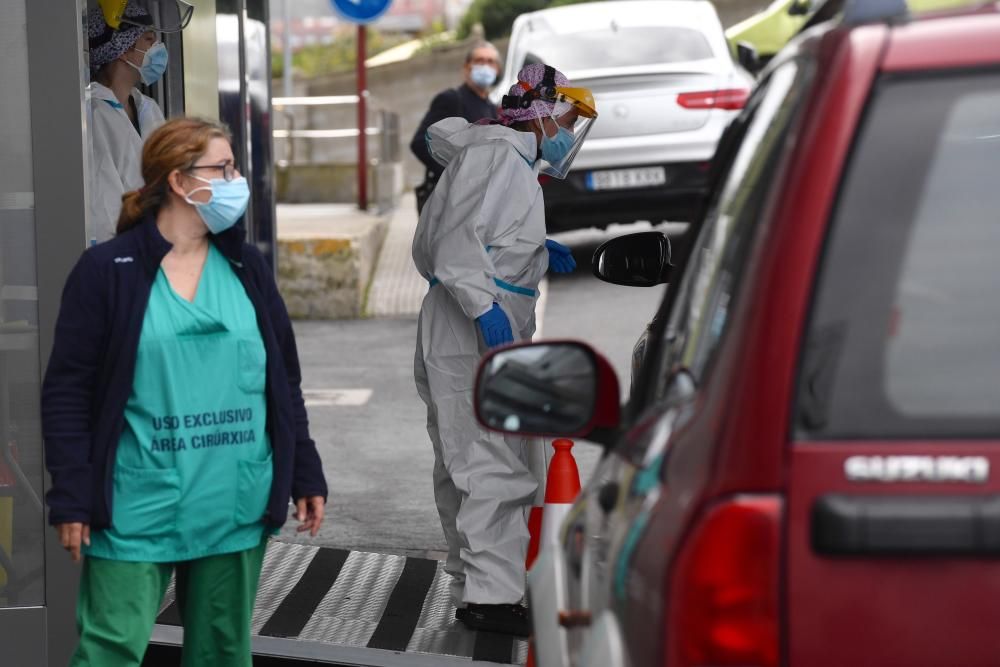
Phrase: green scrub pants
(119, 601)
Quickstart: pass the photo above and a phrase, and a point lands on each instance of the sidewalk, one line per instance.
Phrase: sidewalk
(397, 289)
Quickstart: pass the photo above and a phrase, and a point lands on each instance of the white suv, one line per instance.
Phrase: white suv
(666, 87)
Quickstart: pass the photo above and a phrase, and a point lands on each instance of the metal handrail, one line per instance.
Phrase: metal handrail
(324, 134)
(388, 128)
(319, 100)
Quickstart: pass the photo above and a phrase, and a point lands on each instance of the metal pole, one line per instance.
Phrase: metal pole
(362, 121)
(286, 36)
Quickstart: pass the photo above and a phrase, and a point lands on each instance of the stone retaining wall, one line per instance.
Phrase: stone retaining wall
(324, 268)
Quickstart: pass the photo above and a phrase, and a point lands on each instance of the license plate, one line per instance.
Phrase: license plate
(624, 179)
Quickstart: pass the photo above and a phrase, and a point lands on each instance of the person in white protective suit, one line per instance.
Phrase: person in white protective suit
(481, 245)
(122, 117)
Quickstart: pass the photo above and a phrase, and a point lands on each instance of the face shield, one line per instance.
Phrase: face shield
(565, 115)
(175, 15)
(574, 113)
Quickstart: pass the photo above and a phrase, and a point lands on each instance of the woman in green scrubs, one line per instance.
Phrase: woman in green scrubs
(195, 367)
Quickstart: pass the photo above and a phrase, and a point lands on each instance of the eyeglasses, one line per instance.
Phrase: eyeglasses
(229, 171)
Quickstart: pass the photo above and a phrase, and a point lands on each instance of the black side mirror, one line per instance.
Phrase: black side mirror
(548, 389)
(635, 260)
(800, 8)
(748, 57)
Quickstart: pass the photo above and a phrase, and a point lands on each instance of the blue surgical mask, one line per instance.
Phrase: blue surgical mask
(227, 205)
(483, 76)
(154, 63)
(554, 149)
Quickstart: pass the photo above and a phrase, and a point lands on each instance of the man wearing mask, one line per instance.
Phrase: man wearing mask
(122, 117)
(469, 101)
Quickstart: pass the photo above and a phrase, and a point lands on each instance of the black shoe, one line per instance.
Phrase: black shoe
(508, 619)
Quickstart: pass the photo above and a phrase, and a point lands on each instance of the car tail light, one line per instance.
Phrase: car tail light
(729, 98)
(724, 602)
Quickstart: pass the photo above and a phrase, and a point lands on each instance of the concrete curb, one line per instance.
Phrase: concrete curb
(326, 257)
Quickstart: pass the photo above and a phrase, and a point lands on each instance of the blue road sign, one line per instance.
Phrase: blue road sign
(360, 11)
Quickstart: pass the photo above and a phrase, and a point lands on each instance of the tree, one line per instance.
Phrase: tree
(338, 56)
(497, 16)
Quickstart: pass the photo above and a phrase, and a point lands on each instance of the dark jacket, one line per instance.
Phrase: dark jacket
(92, 366)
(454, 102)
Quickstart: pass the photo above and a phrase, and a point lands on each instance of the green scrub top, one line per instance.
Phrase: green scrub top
(193, 469)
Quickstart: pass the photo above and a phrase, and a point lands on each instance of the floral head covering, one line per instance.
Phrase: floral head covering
(531, 75)
(106, 43)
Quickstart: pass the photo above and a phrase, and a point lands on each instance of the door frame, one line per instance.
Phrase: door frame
(60, 171)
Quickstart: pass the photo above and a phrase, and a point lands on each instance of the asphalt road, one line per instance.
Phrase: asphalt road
(368, 421)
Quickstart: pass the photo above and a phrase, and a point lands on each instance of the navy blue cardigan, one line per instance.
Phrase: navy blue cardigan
(90, 373)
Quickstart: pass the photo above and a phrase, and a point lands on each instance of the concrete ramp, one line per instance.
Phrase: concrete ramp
(351, 607)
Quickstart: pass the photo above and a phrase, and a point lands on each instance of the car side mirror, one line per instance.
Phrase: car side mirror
(635, 260)
(800, 8)
(748, 57)
(557, 389)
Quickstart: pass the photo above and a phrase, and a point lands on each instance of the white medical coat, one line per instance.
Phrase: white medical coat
(116, 166)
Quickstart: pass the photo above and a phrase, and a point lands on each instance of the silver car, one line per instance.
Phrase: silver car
(666, 87)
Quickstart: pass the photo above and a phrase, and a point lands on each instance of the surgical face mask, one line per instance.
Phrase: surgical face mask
(228, 203)
(154, 63)
(554, 149)
(483, 76)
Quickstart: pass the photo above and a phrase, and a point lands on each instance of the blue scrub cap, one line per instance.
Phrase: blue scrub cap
(106, 43)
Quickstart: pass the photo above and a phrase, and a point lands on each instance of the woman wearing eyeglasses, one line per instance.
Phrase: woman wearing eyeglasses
(174, 425)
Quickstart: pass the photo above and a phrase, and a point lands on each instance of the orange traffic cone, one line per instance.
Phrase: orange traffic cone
(562, 486)
(540, 454)
(535, 531)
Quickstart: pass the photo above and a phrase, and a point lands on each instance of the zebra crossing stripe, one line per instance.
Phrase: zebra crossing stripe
(402, 611)
(296, 609)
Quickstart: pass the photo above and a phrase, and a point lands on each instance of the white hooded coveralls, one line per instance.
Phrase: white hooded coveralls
(480, 240)
(116, 164)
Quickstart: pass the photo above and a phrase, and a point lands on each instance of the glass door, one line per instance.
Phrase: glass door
(22, 528)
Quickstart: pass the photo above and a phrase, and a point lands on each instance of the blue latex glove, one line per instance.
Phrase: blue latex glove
(495, 327)
(560, 257)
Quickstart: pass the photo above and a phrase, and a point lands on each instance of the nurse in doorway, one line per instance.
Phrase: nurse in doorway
(120, 59)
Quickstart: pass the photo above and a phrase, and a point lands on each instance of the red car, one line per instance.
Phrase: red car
(805, 473)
